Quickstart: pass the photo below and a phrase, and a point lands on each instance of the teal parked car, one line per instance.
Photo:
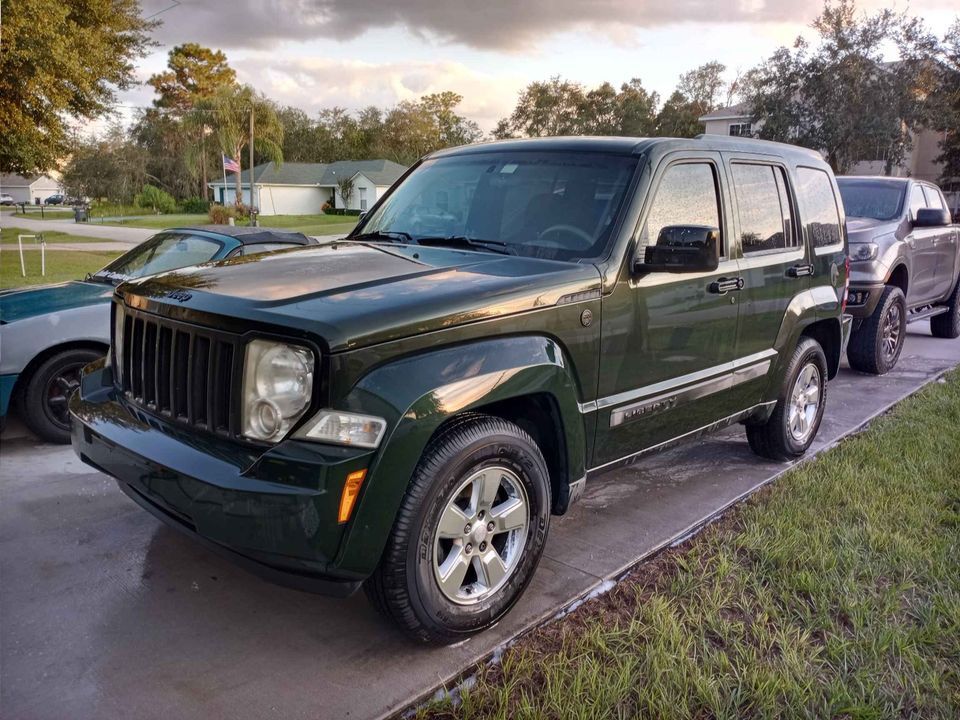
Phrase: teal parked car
(48, 333)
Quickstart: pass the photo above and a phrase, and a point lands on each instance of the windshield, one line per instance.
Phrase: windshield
(869, 199)
(163, 252)
(553, 205)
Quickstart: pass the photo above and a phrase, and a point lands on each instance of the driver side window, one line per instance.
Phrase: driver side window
(687, 195)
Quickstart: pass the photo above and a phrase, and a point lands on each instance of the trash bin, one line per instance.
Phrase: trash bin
(253, 217)
(79, 214)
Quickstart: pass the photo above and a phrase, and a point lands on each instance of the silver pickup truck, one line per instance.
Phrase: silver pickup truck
(904, 262)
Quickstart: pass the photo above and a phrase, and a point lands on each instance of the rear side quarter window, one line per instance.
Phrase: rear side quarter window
(763, 208)
(821, 215)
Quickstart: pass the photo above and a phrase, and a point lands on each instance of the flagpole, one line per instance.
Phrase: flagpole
(223, 194)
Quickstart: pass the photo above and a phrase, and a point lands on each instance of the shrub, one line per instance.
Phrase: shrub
(155, 199)
(352, 212)
(242, 211)
(221, 214)
(195, 205)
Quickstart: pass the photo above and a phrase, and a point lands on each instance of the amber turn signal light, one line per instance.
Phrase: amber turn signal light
(348, 498)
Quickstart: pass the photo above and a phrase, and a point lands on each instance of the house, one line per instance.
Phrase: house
(304, 188)
(32, 189)
(919, 162)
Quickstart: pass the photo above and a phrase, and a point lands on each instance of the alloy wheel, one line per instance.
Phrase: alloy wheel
(805, 402)
(892, 333)
(57, 395)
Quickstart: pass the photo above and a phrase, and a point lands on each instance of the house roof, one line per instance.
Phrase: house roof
(740, 111)
(14, 180)
(380, 172)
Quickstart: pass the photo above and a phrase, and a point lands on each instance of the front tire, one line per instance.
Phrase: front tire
(876, 345)
(948, 325)
(792, 427)
(44, 401)
(469, 533)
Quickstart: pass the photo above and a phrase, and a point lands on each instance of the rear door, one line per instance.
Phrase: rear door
(923, 247)
(945, 247)
(772, 257)
(668, 339)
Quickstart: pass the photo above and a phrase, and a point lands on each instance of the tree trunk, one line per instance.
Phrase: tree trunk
(203, 164)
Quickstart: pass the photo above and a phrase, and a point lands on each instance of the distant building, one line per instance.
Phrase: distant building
(304, 188)
(919, 162)
(31, 189)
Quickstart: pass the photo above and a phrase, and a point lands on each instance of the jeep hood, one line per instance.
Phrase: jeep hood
(24, 303)
(356, 294)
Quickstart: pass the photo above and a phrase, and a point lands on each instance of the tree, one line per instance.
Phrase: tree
(698, 92)
(169, 146)
(345, 188)
(452, 129)
(193, 72)
(228, 112)
(945, 103)
(62, 61)
(545, 109)
(108, 167)
(841, 96)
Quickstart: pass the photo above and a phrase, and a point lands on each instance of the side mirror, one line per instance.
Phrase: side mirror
(932, 217)
(682, 249)
(361, 216)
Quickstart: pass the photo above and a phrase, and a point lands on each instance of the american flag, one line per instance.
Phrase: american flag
(230, 164)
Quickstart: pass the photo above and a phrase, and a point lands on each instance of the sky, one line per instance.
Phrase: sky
(353, 53)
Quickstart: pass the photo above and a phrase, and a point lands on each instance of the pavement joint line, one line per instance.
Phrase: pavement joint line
(467, 677)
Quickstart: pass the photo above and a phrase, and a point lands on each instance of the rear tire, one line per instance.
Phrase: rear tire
(795, 421)
(876, 345)
(947, 326)
(445, 573)
(44, 401)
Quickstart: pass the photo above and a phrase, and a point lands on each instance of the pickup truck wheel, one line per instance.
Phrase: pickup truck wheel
(795, 421)
(948, 325)
(44, 401)
(876, 346)
(469, 533)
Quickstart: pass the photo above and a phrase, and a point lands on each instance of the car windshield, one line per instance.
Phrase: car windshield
(166, 251)
(871, 199)
(553, 205)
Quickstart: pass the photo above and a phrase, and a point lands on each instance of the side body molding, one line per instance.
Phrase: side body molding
(418, 393)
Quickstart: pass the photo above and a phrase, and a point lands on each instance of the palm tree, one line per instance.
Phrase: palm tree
(227, 114)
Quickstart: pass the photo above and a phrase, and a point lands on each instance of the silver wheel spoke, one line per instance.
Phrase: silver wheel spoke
(452, 523)
(490, 568)
(485, 489)
(453, 570)
(509, 515)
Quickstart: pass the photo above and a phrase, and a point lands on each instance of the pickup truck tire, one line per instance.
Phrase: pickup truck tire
(795, 420)
(469, 533)
(948, 325)
(876, 345)
(44, 401)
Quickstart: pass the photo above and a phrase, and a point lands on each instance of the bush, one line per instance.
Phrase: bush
(221, 214)
(155, 199)
(242, 211)
(340, 211)
(195, 205)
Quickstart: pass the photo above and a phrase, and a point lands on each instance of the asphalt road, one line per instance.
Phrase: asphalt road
(128, 235)
(104, 612)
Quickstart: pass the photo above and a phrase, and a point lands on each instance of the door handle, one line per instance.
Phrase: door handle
(722, 286)
(801, 270)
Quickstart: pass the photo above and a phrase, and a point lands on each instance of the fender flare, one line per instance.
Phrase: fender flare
(817, 305)
(417, 394)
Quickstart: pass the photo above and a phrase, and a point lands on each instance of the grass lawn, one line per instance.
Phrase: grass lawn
(834, 593)
(61, 265)
(9, 236)
(308, 224)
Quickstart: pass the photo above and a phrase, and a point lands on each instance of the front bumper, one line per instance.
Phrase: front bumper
(867, 296)
(272, 512)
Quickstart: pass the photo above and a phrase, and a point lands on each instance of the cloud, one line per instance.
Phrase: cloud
(312, 83)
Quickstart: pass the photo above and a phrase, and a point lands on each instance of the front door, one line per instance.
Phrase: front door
(923, 247)
(668, 339)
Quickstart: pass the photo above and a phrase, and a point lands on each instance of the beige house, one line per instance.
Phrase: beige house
(304, 188)
(920, 161)
(30, 189)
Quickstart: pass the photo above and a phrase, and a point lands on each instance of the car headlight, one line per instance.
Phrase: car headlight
(863, 252)
(277, 387)
(344, 428)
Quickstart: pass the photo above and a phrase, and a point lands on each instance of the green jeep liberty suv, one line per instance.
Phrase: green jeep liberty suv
(407, 407)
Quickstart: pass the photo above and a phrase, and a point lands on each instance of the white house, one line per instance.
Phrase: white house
(919, 162)
(32, 189)
(304, 188)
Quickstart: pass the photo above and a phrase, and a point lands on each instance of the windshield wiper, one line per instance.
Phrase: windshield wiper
(392, 235)
(463, 241)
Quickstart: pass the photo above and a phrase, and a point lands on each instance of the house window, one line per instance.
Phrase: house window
(741, 129)
(363, 198)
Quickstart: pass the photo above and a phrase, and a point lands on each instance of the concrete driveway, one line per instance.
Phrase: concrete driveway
(107, 613)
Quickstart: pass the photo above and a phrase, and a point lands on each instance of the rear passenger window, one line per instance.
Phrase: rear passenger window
(687, 195)
(763, 206)
(821, 216)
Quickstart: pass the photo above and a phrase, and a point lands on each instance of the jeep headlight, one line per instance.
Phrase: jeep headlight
(344, 428)
(863, 252)
(277, 387)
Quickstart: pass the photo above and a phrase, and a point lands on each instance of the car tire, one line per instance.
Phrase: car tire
(876, 345)
(43, 404)
(793, 425)
(441, 582)
(947, 325)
